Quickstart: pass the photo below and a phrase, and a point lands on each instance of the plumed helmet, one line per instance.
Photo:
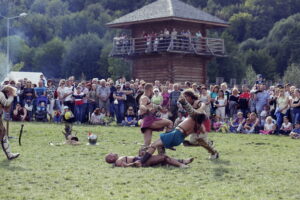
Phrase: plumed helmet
(92, 139)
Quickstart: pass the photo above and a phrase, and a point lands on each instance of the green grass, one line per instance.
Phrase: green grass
(250, 167)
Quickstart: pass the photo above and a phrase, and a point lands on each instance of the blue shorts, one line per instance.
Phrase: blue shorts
(171, 139)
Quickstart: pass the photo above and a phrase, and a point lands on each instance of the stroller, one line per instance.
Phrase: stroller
(41, 109)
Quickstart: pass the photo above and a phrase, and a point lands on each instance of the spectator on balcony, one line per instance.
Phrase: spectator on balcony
(174, 42)
(119, 103)
(103, 94)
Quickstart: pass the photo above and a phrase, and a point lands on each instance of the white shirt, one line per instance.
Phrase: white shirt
(68, 90)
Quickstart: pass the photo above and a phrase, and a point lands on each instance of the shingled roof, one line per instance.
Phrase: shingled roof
(167, 10)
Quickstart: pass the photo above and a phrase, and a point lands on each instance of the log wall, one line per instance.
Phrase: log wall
(170, 67)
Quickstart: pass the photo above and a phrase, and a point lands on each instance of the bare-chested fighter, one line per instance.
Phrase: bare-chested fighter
(192, 124)
(202, 138)
(150, 122)
(133, 161)
(7, 95)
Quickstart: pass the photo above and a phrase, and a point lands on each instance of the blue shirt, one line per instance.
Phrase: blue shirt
(296, 130)
(40, 90)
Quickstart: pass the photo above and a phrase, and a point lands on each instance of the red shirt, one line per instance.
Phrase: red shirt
(245, 95)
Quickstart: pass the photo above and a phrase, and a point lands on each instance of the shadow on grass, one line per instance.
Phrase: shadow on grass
(220, 162)
(6, 164)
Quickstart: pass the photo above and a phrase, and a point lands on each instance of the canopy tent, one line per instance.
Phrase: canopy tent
(34, 77)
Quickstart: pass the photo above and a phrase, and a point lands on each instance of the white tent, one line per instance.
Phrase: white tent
(34, 77)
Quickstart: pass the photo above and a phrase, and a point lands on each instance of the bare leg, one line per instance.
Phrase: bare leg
(155, 160)
(162, 124)
(174, 162)
(5, 145)
(147, 137)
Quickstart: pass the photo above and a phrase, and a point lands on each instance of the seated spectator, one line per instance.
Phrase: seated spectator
(57, 116)
(97, 117)
(19, 113)
(181, 117)
(219, 125)
(269, 126)
(264, 114)
(29, 107)
(252, 124)
(295, 134)
(286, 127)
(130, 118)
(164, 113)
(237, 124)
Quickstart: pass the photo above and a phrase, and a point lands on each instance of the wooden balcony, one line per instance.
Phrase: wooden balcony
(123, 46)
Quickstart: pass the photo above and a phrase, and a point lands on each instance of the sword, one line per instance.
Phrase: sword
(20, 136)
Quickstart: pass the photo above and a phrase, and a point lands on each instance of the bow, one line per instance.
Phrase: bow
(20, 136)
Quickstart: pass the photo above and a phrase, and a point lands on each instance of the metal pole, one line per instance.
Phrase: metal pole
(7, 46)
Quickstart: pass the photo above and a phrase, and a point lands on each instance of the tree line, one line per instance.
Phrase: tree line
(62, 37)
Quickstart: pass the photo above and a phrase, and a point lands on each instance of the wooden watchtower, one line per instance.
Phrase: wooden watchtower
(168, 41)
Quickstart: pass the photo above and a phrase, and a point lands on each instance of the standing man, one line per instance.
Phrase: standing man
(103, 94)
(147, 111)
(130, 100)
(174, 95)
(7, 95)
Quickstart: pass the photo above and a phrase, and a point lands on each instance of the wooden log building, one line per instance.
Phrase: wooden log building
(168, 41)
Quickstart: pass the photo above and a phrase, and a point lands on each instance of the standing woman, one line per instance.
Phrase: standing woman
(213, 96)
(220, 104)
(282, 107)
(205, 98)
(50, 95)
(166, 97)
(233, 102)
(296, 106)
(92, 99)
(60, 95)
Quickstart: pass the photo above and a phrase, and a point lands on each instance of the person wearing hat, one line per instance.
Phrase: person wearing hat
(7, 95)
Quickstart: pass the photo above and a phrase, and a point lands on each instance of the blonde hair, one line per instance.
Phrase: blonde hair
(269, 118)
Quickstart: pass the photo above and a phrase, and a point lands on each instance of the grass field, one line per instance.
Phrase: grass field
(250, 167)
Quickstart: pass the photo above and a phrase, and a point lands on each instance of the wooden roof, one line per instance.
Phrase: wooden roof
(162, 10)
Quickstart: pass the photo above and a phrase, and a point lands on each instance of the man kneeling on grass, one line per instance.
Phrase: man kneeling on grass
(131, 161)
(192, 124)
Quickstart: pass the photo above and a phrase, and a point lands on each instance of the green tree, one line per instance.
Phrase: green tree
(82, 56)
(292, 74)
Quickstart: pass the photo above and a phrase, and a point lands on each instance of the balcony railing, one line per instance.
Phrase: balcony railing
(180, 44)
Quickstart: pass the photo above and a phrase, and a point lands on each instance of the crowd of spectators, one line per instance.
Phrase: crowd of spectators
(154, 42)
(257, 109)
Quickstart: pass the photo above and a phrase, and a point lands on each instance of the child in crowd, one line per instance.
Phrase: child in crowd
(237, 124)
(57, 116)
(67, 115)
(269, 126)
(219, 125)
(29, 107)
(130, 118)
(295, 134)
(181, 117)
(286, 126)
(251, 125)
(164, 113)
(263, 115)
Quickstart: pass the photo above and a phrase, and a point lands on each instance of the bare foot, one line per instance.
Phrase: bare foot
(188, 161)
(184, 166)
